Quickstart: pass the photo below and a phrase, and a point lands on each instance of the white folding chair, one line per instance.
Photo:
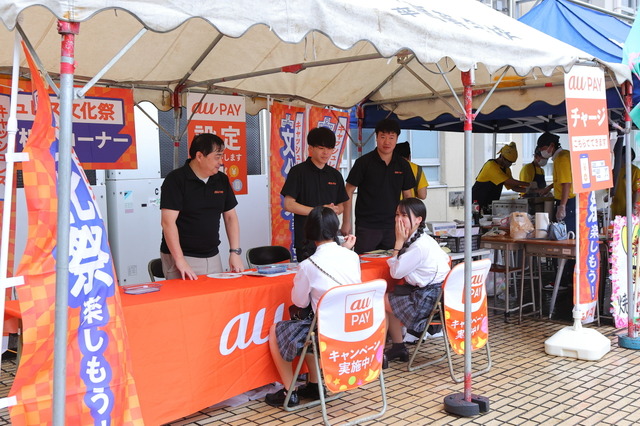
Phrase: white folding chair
(351, 333)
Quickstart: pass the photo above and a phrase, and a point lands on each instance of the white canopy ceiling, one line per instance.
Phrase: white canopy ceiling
(344, 51)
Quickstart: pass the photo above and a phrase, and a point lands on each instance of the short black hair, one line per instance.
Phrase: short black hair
(547, 139)
(633, 153)
(322, 224)
(205, 143)
(322, 136)
(403, 149)
(388, 125)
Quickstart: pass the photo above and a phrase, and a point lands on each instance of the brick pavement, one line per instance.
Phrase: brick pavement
(525, 387)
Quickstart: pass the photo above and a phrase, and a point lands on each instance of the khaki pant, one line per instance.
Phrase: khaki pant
(200, 265)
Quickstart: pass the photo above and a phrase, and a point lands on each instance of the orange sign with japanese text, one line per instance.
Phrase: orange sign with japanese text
(587, 121)
(103, 135)
(224, 116)
(289, 128)
(454, 306)
(287, 136)
(351, 334)
(338, 122)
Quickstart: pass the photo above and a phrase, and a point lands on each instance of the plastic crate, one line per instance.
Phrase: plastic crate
(456, 244)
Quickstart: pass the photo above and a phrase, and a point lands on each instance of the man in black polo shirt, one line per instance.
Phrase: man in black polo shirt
(311, 184)
(192, 201)
(380, 176)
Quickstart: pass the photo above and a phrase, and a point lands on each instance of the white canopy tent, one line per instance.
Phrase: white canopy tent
(327, 52)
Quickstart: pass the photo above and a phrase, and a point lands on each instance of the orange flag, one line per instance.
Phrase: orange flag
(99, 387)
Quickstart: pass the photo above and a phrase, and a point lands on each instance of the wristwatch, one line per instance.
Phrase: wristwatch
(237, 251)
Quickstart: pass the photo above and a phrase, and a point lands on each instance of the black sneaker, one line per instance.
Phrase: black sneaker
(276, 399)
(310, 391)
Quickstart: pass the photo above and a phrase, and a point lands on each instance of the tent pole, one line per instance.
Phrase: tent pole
(177, 114)
(11, 158)
(68, 31)
(468, 80)
(631, 340)
(466, 404)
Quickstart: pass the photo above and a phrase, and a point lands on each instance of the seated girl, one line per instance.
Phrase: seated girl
(331, 265)
(419, 260)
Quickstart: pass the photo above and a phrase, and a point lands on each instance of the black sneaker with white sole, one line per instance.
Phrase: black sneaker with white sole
(276, 399)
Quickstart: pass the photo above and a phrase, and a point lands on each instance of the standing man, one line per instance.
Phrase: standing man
(403, 149)
(494, 175)
(193, 198)
(565, 199)
(313, 183)
(533, 173)
(381, 176)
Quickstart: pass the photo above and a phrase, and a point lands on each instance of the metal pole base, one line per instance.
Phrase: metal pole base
(456, 404)
(629, 342)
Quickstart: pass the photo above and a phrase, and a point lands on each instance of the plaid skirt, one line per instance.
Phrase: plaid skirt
(291, 335)
(413, 310)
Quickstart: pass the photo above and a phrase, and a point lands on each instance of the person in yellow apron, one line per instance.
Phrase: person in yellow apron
(495, 174)
(533, 172)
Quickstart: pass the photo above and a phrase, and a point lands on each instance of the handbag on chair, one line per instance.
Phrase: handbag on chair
(298, 313)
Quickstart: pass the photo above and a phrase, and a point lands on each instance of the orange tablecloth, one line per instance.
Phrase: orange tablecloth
(196, 343)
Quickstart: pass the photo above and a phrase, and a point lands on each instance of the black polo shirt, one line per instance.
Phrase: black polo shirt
(200, 205)
(379, 188)
(312, 187)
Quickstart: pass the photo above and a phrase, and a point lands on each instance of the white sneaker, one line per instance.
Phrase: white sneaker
(435, 335)
(410, 338)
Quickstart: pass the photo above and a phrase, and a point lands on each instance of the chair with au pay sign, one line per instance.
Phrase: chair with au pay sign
(265, 255)
(351, 332)
(450, 305)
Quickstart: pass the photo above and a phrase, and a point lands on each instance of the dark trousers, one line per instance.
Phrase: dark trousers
(570, 219)
(369, 239)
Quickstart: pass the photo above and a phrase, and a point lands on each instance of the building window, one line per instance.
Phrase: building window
(425, 152)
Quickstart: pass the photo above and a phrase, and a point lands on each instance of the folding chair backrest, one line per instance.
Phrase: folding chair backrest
(266, 255)
(454, 305)
(155, 269)
(351, 334)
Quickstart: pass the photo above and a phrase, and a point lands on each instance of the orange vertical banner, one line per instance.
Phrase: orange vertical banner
(99, 387)
(338, 122)
(287, 138)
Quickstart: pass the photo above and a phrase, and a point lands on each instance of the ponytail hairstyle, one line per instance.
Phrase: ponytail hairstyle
(417, 207)
(322, 225)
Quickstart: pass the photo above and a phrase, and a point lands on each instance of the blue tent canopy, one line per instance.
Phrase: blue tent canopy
(594, 32)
